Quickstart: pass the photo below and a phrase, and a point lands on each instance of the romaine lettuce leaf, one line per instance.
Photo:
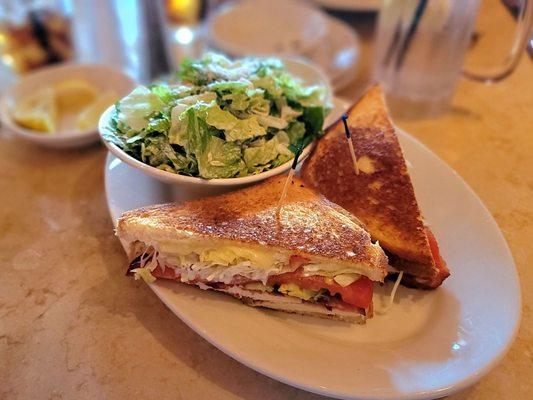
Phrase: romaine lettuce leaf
(233, 127)
(197, 131)
(269, 84)
(188, 101)
(296, 131)
(238, 101)
(288, 113)
(271, 121)
(220, 159)
(159, 123)
(260, 155)
(220, 119)
(163, 92)
(263, 152)
(180, 119)
(157, 152)
(231, 86)
(213, 67)
(281, 159)
(259, 105)
(313, 117)
(136, 107)
(306, 96)
(245, 129)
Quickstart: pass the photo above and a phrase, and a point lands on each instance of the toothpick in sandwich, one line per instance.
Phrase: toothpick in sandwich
(350, 143)
(289, 177)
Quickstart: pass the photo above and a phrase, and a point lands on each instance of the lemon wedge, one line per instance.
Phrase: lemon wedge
(37, 110)
(74, 94)
(89, 116)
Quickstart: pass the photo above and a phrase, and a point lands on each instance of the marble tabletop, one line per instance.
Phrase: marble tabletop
(73, 327)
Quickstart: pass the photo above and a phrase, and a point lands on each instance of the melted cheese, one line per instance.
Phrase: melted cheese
(224, 255)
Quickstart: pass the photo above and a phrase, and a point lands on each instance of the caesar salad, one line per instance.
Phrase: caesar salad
(220, 119)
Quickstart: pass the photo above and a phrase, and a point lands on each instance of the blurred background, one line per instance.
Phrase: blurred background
(415, 48)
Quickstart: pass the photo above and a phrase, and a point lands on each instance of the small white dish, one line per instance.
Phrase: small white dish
(308, 74)
(101, 77)
(429, 345)
(266, 27)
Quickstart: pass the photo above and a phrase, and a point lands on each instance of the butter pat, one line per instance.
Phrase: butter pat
(366, 165)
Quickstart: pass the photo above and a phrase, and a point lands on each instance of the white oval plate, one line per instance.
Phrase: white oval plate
(430, 344)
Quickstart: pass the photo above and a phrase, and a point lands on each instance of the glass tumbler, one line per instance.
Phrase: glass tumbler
(421, 47)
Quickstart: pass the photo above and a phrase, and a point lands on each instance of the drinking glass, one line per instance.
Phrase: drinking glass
(421, 47)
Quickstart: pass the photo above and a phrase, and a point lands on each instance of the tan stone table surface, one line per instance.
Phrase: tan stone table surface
(72, 326)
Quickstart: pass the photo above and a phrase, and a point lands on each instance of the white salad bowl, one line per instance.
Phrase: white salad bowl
(101, 77)
(200, 187)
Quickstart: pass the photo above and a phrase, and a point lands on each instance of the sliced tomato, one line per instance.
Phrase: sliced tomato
(358, 294)
(444, 272)
(435, 252)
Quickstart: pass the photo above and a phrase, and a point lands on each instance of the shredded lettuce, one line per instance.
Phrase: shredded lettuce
(137, 107)
(223, 118)
(223, 263)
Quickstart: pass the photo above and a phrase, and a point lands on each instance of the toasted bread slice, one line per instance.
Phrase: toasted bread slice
(307, 225)
(382, 194)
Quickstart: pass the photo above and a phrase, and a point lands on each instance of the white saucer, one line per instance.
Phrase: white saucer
(337, 53)
(266, 27)
(430, 344)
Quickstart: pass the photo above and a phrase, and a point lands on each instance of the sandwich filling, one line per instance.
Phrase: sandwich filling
(239, 269)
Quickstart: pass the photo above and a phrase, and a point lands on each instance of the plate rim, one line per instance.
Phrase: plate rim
(420, 395)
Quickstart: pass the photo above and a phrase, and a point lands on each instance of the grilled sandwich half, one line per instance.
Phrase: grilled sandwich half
(312, 257)
(382, 194)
